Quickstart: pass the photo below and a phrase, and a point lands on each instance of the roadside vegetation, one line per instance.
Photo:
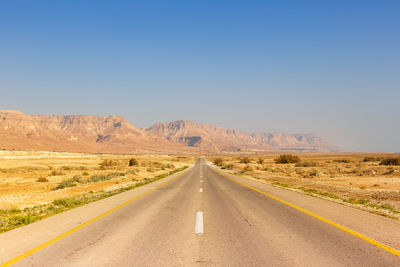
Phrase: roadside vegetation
(218, 161)
(287, 158)
(12, 218)
(390, 161)
(29, 186)
(370, 181)
(386, 210)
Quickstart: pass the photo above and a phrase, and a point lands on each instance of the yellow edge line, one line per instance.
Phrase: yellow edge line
(369, 240)
(82, 225)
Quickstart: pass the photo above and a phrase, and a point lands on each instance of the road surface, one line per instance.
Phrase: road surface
(203, 218)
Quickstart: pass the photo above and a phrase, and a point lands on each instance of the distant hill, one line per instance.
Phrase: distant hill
(216, 138)
(114, 134)
(76, 133)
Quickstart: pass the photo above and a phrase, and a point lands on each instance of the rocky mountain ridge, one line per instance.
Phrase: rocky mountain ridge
(115, 134)
(211, 137)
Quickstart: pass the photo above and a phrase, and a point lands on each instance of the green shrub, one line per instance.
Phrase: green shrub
(287, 158)
(390, 161)
(133, 162)
(98, 177)
(115, 174)
(102, 177)
(66, 168)
(85, 173)
(65, 184)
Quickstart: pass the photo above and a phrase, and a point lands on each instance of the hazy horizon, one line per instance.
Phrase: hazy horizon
(331, 68)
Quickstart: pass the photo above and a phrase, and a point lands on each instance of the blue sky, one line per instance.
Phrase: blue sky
(327, 67)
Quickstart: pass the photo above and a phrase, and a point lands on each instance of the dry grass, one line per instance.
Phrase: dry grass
(29, 179)
(352, 177)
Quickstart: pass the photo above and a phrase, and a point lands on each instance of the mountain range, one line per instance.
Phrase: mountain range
(115, 134)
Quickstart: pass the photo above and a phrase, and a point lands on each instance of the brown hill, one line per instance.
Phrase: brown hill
(220, 139)
(114, 134)
(76, 133)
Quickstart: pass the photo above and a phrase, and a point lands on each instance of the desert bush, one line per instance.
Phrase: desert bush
(372, 159)
(85, 173)
(342, 161)
(102, 177)
(77, 178)
(42, 180)
(287, 158)
(65, 184)
(108, 163)
(368, 172)
(390, 162)
(56, 173)
(66, 168)
(315, 173)
(244, 160)
(391, 171)
(98, 177)
(156, 164)
(81, 168)
(260, 161)
(133, 162)
(115, 174)
(228, 166)
(218, 161)
(306, 164)
(248, 168)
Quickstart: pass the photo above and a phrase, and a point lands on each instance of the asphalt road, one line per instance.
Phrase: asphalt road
(204, 218)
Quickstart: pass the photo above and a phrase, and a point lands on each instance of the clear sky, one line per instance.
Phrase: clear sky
(327, 67)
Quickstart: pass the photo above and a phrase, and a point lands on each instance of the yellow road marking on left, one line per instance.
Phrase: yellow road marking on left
(8, 263)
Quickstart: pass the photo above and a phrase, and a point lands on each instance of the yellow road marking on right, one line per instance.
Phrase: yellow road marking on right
(354, 233)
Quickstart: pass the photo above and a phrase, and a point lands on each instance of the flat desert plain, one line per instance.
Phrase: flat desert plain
(35, 178)
(356, 179)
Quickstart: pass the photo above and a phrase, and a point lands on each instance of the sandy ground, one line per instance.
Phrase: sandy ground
(31, 178)
(345, 175)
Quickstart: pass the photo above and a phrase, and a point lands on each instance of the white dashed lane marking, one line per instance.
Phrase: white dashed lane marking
(199, 228)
